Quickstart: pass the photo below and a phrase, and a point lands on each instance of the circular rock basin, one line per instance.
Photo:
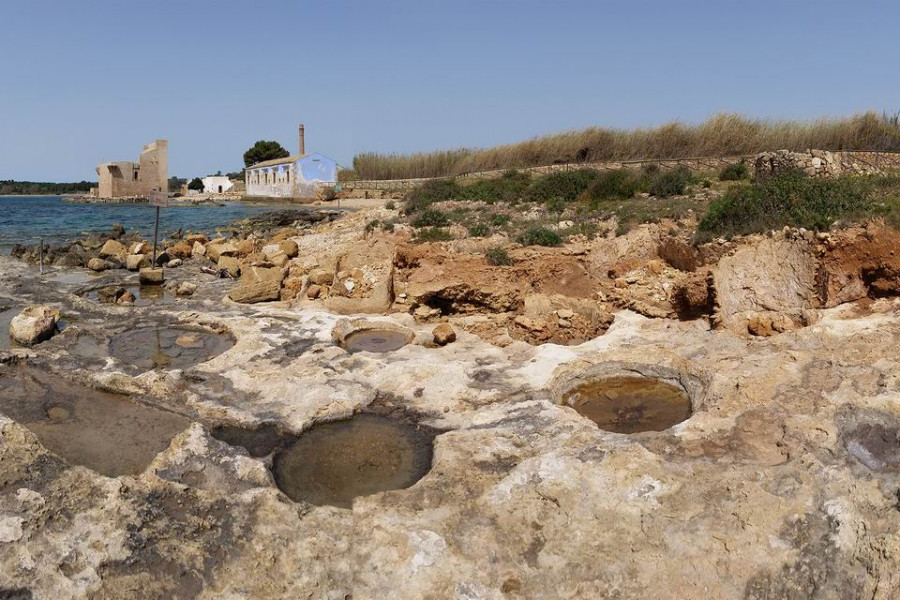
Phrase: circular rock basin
(109, 433)
(334, 463)
(630, 404)
(168, 347)
(375, 340)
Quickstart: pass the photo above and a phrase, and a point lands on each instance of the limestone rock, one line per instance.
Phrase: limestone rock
(258, 291)
(33, 325)
(198, 250)
(126, 298)
(290, 248)
(313, 291)
(151, 276)
(321, 277)
(217, 248)
(135, 262)
(772, 276)
(141, 248)
(255, 274)
(113, 248)
(96, 264)
(180, 250)
(443, 334)
(230, 265)
(186, 288)
(174, 263)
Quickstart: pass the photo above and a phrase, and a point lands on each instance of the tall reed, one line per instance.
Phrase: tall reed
(720, 135)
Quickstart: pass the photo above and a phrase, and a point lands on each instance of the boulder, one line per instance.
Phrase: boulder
(443, 334)
(196, 238)
(126, 299)
(290, 248)
(113, 248)
(774, 276)
(230, 265)
(151, 276)
(259, 291)
(198, 250)
(110, 294)
(135, 262)
(180, 250)
(255, 274)
(313, 291)
(141, 248)
(162, 259)
(96, 264)
(217, 248)
(186, 288)
(174, 263)
(321, 277)
(34, 325)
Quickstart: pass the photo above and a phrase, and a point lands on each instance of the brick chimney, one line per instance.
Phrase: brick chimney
(302, 140)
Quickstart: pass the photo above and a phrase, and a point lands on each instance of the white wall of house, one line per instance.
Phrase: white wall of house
(215, 184)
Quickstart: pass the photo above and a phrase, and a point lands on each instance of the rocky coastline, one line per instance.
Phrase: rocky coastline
(781, 482)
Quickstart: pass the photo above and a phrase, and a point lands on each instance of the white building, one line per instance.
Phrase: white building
(216, 184)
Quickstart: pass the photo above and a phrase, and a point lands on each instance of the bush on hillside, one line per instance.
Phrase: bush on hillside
(430, 192)
(567, 185)
(671, 183)
(619, 184)
(788, 199)
(433, 234)
(498, 257)
(431, 218)
(539, 236)
(479, 230)
(509, 188)
(735, 172)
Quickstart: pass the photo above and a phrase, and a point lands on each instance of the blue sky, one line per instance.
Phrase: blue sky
(89, 81)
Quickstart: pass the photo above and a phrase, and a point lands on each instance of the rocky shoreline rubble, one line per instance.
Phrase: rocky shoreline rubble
(779, 480)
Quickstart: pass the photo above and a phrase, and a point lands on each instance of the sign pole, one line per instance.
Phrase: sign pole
(155, 235)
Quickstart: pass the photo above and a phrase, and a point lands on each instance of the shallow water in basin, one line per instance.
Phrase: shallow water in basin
(109, 433)
(630, 404)
(144, 295)
(168, 347)
(334, 463)
(375, 340)
(6, 316)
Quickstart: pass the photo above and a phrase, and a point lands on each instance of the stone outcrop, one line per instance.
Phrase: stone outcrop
(264, 290)
(771, 278)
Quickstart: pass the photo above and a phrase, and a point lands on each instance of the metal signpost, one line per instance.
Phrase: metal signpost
(159, 200)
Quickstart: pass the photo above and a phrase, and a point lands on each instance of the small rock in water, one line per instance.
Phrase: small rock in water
(186, 289)
(127, 298)
(189, 340)
(96, 264)
(33, 325)
(151, 276)
(175, 262)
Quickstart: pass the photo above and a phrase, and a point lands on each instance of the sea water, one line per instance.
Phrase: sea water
(23, 219)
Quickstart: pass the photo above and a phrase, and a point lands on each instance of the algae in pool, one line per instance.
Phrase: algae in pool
(334, 463)
(630, 404)
(108, 433)
(375, 340)
(168, 347)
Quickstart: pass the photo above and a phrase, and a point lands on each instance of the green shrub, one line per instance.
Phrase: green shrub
(510, 187)
(371, 225)
(539, 236)
(431, 218)
(479, 230)
(390, 205)
(556, 204)
(735, 172)
(498, 256)
(499, 220)
(671, 183)
(706, 183)
(618, 184)
(788, 199)
(567, 185)
(432, 234)
(430, 192)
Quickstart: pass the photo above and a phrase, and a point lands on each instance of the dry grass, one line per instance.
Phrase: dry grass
(720, 135)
